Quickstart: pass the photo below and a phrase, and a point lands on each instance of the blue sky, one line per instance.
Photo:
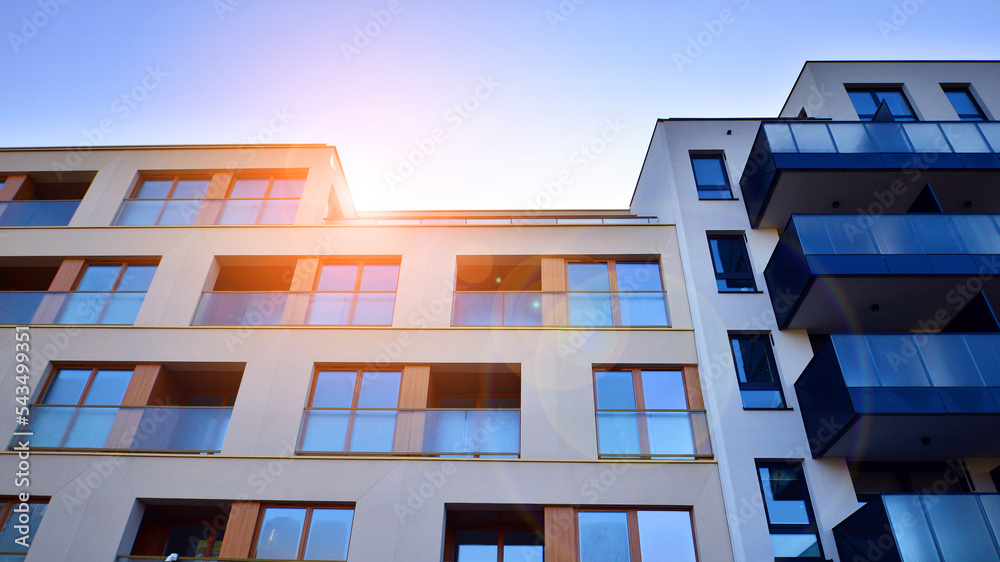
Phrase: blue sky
(452, 104)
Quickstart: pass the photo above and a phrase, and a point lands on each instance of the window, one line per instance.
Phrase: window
(963, 102)
(616, 293)
(760, 386)
(268, 199)
(646, 413)
(866, 102)
(511, 533)
(304, 533)
(165, 200)
(634, 535)
(12, 539)
(352, 411)
(194, 539)
(356, 293)
(107, 293)
(732, 263)
(710, 176)
(789, 513)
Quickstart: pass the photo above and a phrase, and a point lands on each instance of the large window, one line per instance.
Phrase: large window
(963, 102)
(304, 533)
(646, 413)
(10, 549)
(616, 293)
(866, 102)
(789, 512)
(354, 293)
(636, 535)
(107, 293)
(756, 370)
(710, 176)
(352, 411)
(731, 261)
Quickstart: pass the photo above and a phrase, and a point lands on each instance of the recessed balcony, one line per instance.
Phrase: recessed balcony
(812, 167)
(922, 527)
(903, 396)
(880, 273)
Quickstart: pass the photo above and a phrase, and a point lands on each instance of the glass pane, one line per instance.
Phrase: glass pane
(762, 398)
(663, 390)
(643, 309)
(333, 309)
(850, 234)
(334, 389)
(588, 277)
(910, 529)
(337, 277)
(670, 433)
(277, 212)
(992, 133)
(794, 546)
(937, 234)
(373, 309)
(986, 351)
(754, 362)
(708, 171)
(961, 530)
(329, 534)
(855, 361)
(238, 211)
(325, 430)
(618, 433)
(991, 505)
(779, 136)
(592, 309)
(812, 137)
(477, 546)
(896, 102)
(784, 496)
(948, 360)
(523, 546)
(894, 235)
(50, 425)
(9, 534)
(136, 278)
(189, 188)
(614, 390)
(851, 138)
(962, 102)
(249, 189)
(379, 389)
(108, 388)
(635, 276)
(863, 102)
(99, 277)
(154, 189)
(888, 137)
(926, 137)
(181, 212)
(379, 277)
(729, 255)
(477, 309)
(280, 533)
(282, 188)
(965, 137)
(978, 232)
(67, 388)
(897, 361)
(120, 308)
(374, 431)
(604, 536)
(140, 213)
(522, 309)
(812, 235)
(91, 427)
(666, 536)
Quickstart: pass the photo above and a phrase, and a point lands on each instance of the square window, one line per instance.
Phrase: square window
(710, 176)
(732, 263)
(756, 370)
(963, 102)
(867, 100)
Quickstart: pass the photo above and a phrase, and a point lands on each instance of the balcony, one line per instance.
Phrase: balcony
(77, 307)
(290, 308)
(903, 396)
(560, 308)
(880, 273)
(922, 527)
(37, 213)
(789, 167)
(494, 433)
(653, 434)
(187, 212)
(103, 428)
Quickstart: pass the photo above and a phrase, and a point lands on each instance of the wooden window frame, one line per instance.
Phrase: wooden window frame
(360, 264)
(632, 517)
(175, 178)
(303, 538)
(614, 290)
(124, 265)
(451, 543)
(86, 388)
(360, 372)
(271, 178)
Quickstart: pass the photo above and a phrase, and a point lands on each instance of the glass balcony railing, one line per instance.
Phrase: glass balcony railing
(130, 428)
(426, 432)
(923, 528)
(288, 308)
(186, 558)
(186, 212)
(655, 434)
(564, 308)
(871, 137)
(79, 307)
(37, 213)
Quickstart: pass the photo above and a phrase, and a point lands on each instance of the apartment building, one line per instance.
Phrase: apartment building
(841, 262)
(208, 352)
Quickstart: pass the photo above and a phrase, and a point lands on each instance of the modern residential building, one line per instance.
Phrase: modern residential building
(841, 261)
(784, 349)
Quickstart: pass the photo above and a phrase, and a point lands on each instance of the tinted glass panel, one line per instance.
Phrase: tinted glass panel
(588, 277)
(784, 496)
(99, 277)
(249, 189)
(614, 390)
(379, 389)
(663, 390)
(329, 534)
(708, 172)
(154, 189)
(190, 189)
(287, 188)
(334, 389)
(604, 537)
(136, 278)
(108, 388)
(476, 546)
(9, 534)
(67, 388)
(522, 546)
(754, 360)
(280, 533)
(666, 536)
(864, 103)
(337, 278)
(379, 277)
(896, 102)
(633, 276)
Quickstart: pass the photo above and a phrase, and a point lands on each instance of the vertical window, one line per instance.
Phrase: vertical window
(304, 533)
(710, 176)
(107, 293)
(644, 413)
(963, 102)
(9, 548)
(633, 535)
(616, 293)
(867, 100)
(354, 293)
(80, 416)
(756, 370)
(352, 411)
(732, 263)
(165, 200)
(790, 517)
